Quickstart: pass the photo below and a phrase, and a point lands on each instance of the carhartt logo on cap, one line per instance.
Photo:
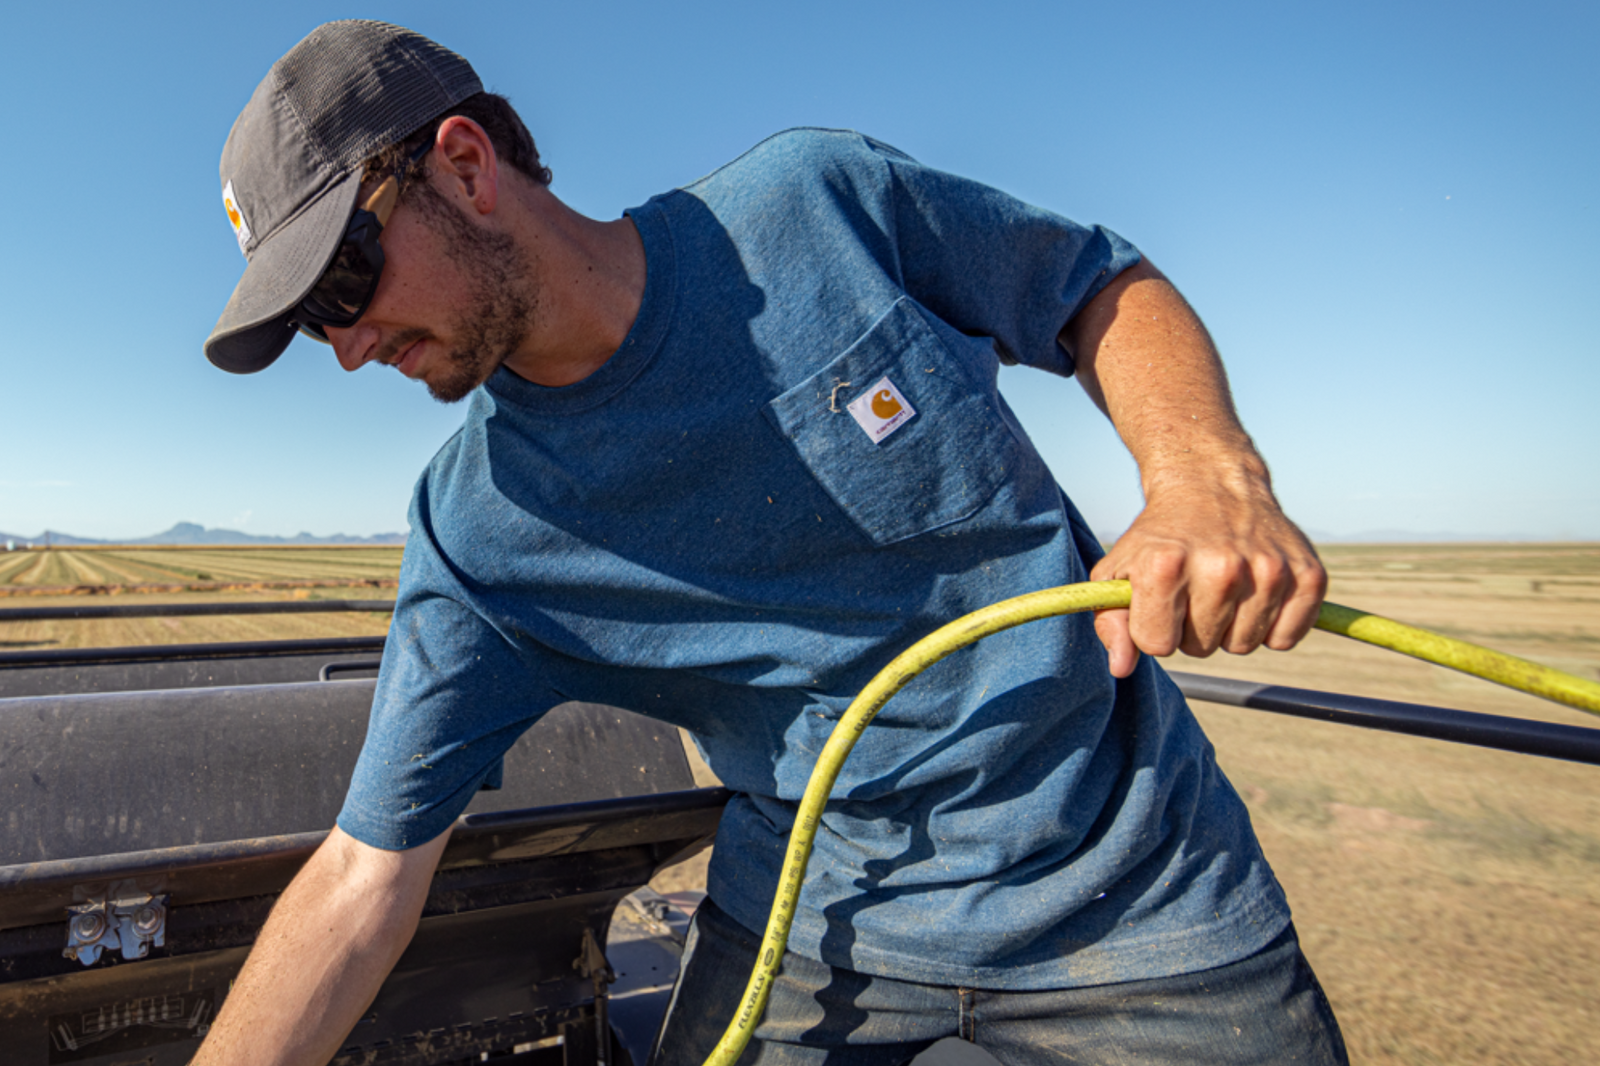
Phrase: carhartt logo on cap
(881, 410)
(230, 203)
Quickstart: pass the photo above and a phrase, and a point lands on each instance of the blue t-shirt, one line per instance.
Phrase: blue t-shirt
(796, 465)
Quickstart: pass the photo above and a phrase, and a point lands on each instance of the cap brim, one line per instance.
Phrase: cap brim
(254, 328)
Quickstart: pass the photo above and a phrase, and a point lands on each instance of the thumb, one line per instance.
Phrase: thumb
(1112, 629)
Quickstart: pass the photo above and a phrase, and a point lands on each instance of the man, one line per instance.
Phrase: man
(723, 458)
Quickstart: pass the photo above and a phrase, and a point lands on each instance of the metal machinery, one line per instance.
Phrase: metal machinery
(156, 801)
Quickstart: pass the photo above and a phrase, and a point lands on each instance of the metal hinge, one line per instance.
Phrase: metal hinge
(591, 963)
(125, 919)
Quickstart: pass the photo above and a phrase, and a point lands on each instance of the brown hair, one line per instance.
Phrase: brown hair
(511, 139)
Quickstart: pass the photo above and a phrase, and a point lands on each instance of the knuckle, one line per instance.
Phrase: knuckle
(1272, 571)
(1243, 641)
(1310, 574)
(1224, 572)
(1319, 582)
(1166, 564)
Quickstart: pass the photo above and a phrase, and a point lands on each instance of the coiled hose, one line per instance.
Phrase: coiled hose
(1070, 599)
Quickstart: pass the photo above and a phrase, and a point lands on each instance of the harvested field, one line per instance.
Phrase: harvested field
(65, 577)
(1448, 896)
(114, 571)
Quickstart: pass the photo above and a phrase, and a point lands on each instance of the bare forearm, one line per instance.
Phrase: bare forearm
(1213, 560)
(319, 960)
(1146, 360)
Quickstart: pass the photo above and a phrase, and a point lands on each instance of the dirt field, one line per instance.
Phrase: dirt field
(1448, 896)
(103, 571)
(80, 577)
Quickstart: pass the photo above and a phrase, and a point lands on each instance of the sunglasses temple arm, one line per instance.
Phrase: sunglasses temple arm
(381, 202)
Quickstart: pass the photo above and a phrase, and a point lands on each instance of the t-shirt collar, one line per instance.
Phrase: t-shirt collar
(637, 349)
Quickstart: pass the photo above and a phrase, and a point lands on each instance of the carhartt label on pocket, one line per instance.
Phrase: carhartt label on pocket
(881, 410)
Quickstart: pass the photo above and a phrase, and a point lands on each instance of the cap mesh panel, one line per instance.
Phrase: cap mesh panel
(359, 86)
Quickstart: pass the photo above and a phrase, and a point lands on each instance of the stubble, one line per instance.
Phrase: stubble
(504, 297)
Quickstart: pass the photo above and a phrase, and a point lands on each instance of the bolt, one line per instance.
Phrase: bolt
(148, 920)
(87, 928)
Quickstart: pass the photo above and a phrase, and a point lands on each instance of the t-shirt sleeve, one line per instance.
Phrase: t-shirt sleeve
(453, 694)
(992, 265)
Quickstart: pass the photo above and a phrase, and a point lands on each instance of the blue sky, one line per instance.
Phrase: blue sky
(1385, 213)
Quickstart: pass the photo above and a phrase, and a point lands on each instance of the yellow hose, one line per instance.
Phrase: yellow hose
(1070, 599)
(1494, 666)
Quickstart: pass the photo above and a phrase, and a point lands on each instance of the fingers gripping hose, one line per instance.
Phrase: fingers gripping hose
(1070, 599)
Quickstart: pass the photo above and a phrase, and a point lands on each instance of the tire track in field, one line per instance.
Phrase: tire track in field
(217, 566)
(294, 564)
(285, 566)
(53, 571)
(126, 572)
(29, 574)
(83, 566)
(169, 570)
(12, 567)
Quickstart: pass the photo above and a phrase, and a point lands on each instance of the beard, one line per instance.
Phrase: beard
(501, 313)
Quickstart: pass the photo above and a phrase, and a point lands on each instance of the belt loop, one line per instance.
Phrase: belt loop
(966, 1025)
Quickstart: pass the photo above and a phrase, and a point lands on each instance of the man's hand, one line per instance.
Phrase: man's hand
(332, 938)
(1211, 567)
(1213, 561)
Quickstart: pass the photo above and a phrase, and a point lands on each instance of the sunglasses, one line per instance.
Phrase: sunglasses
(340, 297)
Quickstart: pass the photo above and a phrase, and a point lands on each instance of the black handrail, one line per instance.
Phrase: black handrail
(348, 666)
(1522, 735)
(178, 610)
(165, 652)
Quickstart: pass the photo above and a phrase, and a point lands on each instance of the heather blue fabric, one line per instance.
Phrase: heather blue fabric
(700, 532)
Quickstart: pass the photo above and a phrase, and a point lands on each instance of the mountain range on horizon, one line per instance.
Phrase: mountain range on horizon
(196, 534)
(193, 533)
(1402, 536)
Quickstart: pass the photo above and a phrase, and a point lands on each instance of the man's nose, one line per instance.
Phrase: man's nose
(354, 346)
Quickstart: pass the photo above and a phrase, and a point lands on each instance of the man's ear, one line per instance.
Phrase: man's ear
(464, 157)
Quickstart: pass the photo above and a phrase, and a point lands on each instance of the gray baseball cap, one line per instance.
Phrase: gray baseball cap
(292, 166)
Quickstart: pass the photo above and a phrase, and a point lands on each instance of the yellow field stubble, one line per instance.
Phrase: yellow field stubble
(116, 576)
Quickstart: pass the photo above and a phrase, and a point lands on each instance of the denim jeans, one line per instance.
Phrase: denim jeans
(1267, 1008)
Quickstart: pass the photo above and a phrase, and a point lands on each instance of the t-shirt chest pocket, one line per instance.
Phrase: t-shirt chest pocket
(903, 433)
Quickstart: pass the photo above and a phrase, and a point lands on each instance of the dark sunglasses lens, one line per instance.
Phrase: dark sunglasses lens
(345, 288)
